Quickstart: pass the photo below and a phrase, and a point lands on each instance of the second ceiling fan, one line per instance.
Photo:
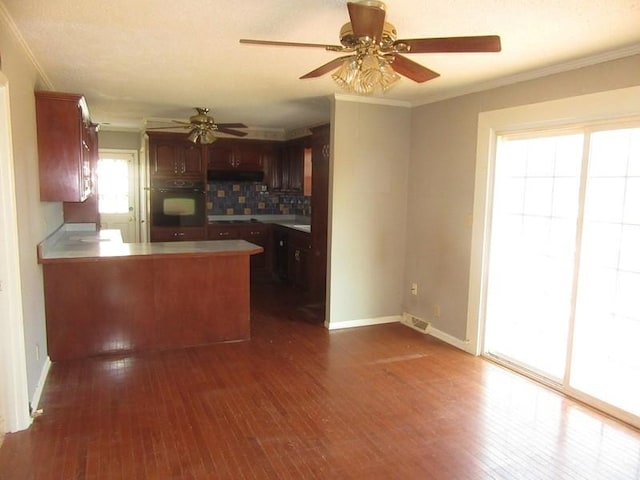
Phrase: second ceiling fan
(377, 55)
(202, 127)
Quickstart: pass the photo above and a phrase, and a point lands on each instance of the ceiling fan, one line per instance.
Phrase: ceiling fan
(203, 127)
(377, 55)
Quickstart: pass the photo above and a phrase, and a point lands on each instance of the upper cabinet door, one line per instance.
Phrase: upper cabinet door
(230, 154)
(172, 155)
(191, 159)
(220, 156)
(64, 155)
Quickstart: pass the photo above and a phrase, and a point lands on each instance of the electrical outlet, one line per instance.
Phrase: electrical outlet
(37, 351)
(414, 289)
(436, 311)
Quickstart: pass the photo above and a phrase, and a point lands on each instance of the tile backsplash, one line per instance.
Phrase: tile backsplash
(249, 198)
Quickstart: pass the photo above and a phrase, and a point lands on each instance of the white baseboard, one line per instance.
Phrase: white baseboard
(365, 322)
(35, 401)
(451, 340)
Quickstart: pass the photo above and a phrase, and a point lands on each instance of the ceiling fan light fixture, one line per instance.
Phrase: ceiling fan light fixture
(363, 74)
(207, 137)
(194, 135)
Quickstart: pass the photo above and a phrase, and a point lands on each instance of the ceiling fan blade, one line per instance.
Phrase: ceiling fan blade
(230, 131)
(287, 44)
(412, 70)
(231, 125)
(327, 67)
(170, 126)
(366, 20)
(487, 43)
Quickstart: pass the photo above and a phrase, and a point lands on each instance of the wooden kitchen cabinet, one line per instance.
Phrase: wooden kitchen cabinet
(64, 154)
(177, 234)
(292, 256)
(320, 157)
(231, 154)
(87, 211)
(172, 155)
(286, 171)
(256, 233)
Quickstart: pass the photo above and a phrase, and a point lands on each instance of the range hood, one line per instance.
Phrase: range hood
(235, 175)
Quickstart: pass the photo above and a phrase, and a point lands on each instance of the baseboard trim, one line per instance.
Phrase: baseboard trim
(464, 345)
(365, 322)
(35, 400)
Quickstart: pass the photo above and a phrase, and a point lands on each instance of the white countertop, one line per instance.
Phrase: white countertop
(70, 242)
(296, 222)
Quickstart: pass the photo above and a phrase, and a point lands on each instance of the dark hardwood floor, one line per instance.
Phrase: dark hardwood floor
(300, 402)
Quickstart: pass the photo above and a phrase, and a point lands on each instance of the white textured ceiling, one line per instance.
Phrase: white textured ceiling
(136, 60)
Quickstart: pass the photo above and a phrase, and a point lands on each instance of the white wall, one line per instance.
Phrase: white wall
(441, 185)
(368, 210)
(36, 220)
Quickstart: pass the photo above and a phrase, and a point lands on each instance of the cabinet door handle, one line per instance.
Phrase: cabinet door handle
(223, 234)
(178, 234)
(297, 255)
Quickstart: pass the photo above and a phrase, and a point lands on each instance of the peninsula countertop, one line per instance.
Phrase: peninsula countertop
(84, 243)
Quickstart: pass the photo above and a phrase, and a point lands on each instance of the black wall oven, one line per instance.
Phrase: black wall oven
(178, 203)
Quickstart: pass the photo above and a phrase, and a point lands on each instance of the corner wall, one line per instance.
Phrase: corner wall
(441, 184)
(36, 219)
(370, 155)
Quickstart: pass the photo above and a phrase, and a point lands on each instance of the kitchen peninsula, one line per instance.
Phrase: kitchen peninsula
(104, 296)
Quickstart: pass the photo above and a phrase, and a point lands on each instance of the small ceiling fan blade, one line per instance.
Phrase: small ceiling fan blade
(327, 67)
(412, 70)
(366, 20)
(230, 131)
(231, 125)
(287, 44)
(486, 43)
(170, 126)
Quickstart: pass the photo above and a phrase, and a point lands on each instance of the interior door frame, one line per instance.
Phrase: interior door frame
(13, 362)
(137, 208)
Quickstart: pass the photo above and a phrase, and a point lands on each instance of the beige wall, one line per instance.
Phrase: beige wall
(35, 219)
(118, 140)
(368, 210)
(441, 183)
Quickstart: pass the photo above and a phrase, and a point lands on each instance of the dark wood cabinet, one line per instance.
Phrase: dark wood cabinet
(172, 155)
(286, 171)
(64, 154)
(291, 260)
(320, 156)
(177, 234)
(256, 233)
(87, 211)
(231, 154)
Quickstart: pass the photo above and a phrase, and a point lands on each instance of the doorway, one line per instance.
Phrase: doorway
(563, 274)
(118, 193)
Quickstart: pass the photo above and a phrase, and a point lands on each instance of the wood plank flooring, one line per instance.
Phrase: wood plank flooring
(300, 402)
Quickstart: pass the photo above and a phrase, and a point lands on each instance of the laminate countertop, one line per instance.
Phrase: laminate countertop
(84, 243)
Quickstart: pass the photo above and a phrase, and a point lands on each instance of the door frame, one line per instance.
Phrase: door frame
(612, 105)
(13, 377)
(137, 178)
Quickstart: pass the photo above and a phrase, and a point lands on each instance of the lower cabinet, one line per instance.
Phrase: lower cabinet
(292, 256)
(177, 234)
(256, 233)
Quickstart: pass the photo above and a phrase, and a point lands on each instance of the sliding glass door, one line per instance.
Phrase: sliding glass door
(563, 281)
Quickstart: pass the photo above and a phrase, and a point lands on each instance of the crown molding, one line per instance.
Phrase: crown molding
(373, 100)
(6, 18)
(534, 74)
